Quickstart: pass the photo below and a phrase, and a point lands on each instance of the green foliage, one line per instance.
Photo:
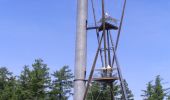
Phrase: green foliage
(148, 93)
(130, 96)
(101, 91)
(25, 84)
(8, 85)
(62, 84)
(39, 79)
(168, 97)
(35, 83)
(156, 91)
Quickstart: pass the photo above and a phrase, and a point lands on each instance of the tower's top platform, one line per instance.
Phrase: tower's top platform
(110, 23)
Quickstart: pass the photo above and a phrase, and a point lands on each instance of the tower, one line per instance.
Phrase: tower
(110, 68)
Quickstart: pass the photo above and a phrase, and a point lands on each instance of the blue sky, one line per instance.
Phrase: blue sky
(31, 29)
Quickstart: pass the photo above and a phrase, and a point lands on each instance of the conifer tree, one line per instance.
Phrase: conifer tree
(25, 84)
(159, 92)
(156, 91)
(8, 85)
(102, 91)
(148, 93)
(39, 79)
(130, 96)
(62, 84)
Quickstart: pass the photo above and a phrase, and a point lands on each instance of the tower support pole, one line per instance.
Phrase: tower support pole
(81, 50)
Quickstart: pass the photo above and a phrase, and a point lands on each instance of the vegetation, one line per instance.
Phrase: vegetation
(156, 91)
(8, 85)
(62, 84)
(130, 95)
(168, 97)
(34, 83)
(99, 91)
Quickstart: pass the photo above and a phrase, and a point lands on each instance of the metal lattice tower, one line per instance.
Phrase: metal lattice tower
(110, 70)
(106, 49)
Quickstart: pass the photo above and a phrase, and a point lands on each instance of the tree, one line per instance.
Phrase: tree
(130, 96)
(148, 93)
(159, 92)
(156, 91)
(25, 84)
(168, 97)
(39, 79)
(94, 90)
(102, 91)
(8, 85)
(5, 75)
(62, 84)
(35, 83)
